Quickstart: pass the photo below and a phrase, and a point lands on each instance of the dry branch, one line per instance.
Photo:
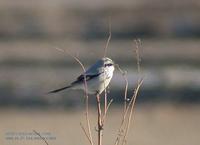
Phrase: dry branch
(105, 53)
(100, 123)
(37, 133)
(128, 110)
(89, 135)
(132, 104)
(109, 38)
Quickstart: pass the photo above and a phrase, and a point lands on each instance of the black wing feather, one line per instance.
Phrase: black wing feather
(79, 79)
(88, 77)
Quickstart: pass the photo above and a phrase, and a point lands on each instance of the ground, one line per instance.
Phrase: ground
(162, 124)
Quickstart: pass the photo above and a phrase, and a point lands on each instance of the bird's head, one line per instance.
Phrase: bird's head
(108, 63)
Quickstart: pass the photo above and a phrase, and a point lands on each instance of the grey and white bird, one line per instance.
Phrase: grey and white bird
(98, 77)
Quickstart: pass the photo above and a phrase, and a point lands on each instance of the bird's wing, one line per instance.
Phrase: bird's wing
(87, 76)
(94, 71)
(95, 68)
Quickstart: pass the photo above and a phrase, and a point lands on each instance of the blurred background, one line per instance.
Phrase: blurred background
(167, 110)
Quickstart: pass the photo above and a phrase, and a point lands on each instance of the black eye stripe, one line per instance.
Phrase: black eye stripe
(109, 64)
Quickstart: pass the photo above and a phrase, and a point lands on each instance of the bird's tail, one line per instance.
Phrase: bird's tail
(58, 90)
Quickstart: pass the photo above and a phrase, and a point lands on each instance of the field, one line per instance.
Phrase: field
(162, 124)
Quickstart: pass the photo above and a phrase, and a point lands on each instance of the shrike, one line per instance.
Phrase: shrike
(98, 77)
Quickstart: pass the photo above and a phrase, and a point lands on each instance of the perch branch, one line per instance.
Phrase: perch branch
(100, 124)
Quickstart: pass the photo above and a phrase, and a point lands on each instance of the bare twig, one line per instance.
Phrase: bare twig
(138, 44)
(105, 52)
(37, 133)
(132, 103)
(86, 134)
(86, 95)
(128, 110)
(125, 106)
(100, 124)
(126, 86)
(133, 99)
(105, 114)
(109, 38)
(105, 97)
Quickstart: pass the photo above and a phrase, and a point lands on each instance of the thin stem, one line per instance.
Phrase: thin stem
(108, 40)
(131, 111)
(138, 44)
(37, 133)
(85, 132)
(105, 52)
(108, 106)
(126, 86)
(126, 108)
(86, 95)
(105, 97)
(100, 124)
(133, 99)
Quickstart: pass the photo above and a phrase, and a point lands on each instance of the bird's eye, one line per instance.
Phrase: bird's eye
(108, 64)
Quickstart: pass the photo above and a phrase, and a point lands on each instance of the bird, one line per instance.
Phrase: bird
(97, 77)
